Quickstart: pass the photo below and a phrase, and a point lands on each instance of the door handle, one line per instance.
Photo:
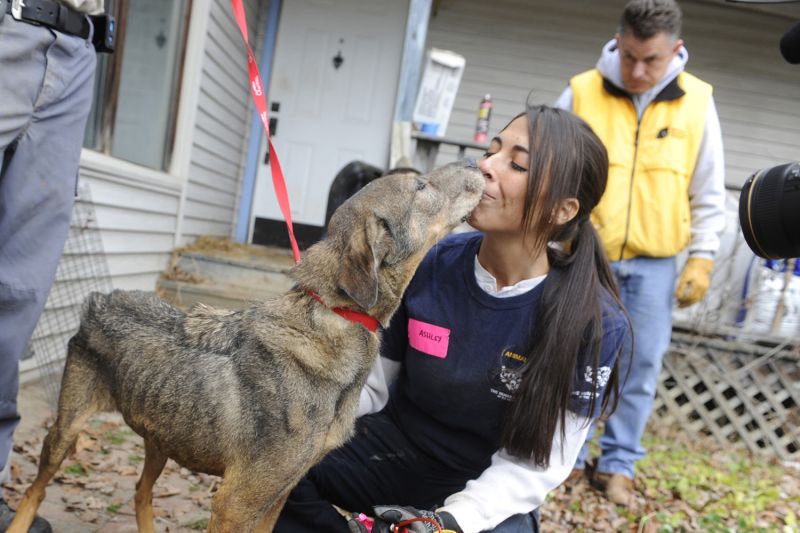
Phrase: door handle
(273, 130)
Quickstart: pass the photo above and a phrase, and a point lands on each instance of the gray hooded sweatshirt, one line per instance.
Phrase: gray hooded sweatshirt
(707, 186)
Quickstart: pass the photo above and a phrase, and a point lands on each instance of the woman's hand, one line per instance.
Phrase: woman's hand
(406, 519)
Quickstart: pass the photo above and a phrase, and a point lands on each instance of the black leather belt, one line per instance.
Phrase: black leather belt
(53, 15)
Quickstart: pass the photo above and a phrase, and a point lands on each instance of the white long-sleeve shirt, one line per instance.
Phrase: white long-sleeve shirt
(509, 486)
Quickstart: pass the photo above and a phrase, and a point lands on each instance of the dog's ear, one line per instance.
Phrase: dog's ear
(358, 275)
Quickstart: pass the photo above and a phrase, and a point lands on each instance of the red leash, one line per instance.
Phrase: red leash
(257, 88)
(278, 182)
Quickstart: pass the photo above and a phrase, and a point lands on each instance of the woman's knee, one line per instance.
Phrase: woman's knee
(519, 523)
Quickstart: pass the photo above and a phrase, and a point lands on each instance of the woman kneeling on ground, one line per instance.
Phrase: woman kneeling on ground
(505, 348)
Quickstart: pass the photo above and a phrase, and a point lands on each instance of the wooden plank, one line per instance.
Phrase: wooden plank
(755, 414)
(701, 412)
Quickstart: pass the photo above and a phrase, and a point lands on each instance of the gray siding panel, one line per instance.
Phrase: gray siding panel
(136, 210)
(214, 196)
(210, 212)
(205, 156)
(133, 282)
(226, 147)
(220, 112)
(136, 220)
(132, 242)
(515, 47)
(220, 138)
(210, 178)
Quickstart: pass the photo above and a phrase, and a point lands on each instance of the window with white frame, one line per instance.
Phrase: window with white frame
(136, 88)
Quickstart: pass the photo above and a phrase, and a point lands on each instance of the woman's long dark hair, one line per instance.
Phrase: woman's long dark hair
(567, 160)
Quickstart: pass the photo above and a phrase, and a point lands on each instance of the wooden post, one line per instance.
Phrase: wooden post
(780, 305)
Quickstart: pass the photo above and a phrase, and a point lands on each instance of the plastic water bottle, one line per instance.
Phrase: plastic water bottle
(770, 291)
(484, 114)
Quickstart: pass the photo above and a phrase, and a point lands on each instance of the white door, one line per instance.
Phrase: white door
(334, 80)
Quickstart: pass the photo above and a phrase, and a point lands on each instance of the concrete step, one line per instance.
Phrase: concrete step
(227, 275)
(246, 272)
(186, 294)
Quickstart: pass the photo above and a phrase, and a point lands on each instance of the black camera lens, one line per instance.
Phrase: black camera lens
(769, 212)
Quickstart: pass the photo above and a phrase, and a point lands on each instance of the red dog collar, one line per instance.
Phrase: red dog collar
(353, 316)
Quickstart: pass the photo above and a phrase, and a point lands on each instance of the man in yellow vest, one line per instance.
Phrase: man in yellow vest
(665, 192)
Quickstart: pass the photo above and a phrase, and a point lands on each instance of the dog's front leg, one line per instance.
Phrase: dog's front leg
(267, 523)
(154, 462)
(236, 505)
(246, 491)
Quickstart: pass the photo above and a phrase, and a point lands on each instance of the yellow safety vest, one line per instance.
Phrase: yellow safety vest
(645, 208)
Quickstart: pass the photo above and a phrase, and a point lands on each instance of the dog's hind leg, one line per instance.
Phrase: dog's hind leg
(79, 399)
(154, 462)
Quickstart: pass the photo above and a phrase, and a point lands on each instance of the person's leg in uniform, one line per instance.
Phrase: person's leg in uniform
(377, 466)
(43, 112)
(646, 289)
(519, 523)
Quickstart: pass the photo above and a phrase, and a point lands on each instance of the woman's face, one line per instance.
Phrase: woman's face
(505, 168)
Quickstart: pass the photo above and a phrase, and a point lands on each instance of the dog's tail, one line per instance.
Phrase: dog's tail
(93, 307)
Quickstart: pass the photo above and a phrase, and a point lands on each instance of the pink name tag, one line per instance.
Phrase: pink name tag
(427, 338)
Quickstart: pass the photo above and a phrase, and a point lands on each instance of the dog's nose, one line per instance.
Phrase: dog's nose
(470, 163)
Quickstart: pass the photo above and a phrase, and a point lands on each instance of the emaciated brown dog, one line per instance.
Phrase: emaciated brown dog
(257, 396)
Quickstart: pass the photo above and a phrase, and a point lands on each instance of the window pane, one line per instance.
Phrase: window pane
(97, 123)
(148, 87)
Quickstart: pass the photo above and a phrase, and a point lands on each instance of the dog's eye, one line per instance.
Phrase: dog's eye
(421, 185)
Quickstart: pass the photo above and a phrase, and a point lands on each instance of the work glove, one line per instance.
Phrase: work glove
(405, 519)
(694, 281)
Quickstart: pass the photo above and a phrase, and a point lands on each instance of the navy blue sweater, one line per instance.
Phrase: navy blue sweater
(461, 349)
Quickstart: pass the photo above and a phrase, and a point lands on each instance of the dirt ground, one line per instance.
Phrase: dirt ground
(685, 484)
(93, 492)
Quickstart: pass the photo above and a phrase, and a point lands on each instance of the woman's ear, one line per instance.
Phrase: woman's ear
(565, 211)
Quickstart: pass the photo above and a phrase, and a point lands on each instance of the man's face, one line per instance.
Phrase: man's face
(644, 62)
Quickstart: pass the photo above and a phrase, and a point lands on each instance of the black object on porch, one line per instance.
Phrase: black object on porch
(351, 179)
(348, 181)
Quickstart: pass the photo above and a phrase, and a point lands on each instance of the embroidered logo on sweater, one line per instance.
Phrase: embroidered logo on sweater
(603, 373)
(505, 380)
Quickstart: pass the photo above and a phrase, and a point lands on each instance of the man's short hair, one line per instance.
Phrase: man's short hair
(646, 18)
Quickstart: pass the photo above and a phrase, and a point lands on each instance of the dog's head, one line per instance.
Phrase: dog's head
(378, 237)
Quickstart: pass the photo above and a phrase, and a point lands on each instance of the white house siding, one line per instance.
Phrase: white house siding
(137, 221)
(136, 209)
(513, 47)
(135, 214)
(220, 138)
